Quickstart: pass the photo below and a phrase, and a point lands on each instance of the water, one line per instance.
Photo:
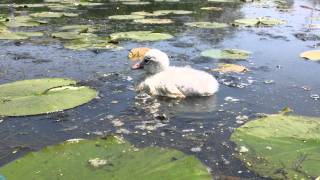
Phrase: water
(197, 126)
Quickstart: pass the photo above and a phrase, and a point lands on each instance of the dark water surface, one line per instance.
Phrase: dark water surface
(186, 125)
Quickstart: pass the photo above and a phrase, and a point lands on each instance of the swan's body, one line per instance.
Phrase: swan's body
(174, 82)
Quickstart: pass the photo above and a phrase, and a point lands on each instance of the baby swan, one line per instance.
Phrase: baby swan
(174, 82)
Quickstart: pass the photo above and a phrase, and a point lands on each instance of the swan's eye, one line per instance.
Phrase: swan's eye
(147, 60)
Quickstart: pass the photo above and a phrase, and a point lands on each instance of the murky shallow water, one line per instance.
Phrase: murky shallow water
(185, 125)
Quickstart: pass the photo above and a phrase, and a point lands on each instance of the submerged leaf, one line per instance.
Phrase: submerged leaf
(281, 146)
(140, 36)
(208, 25)
(311, 55)
(105, 159)
(226, 54)
(39, 96)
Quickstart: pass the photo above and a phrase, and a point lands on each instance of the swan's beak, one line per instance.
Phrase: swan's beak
(138, 65)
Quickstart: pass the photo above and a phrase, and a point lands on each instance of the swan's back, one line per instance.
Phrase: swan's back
(181, 82)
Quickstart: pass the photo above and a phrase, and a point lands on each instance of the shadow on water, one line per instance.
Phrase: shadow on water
(198, 126)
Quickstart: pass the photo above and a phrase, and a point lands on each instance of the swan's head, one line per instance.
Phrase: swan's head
(154, 61)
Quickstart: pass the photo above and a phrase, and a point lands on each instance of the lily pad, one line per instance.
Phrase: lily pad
(40, 96)
(21, 21)
(77, 28)
(126, 17)
(212, 8)
(108, 158)
(167, 0)
(72, 35)
(140, 36)
(177, 12)
(280, 146)
(90, 43)
(143, 13)
(227, 68)
(136, 3)
(224, 1)
(226, 54)
(208, 25)
(8, 35)
(313, 55)
(52, 14)
(154, 21)
(261, 21)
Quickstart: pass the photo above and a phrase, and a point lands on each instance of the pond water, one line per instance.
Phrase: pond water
(278, 78)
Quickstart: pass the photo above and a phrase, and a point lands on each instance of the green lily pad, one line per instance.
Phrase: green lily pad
(39, 96)
(166, 12)
(208, 25)
(90, 43)
(224, 1)
(281, 146)
(12, 36)
(126, 17)
(8, 35)
(140, 36)
(154, 21)
(167, 0)
(72, 35)
(21, 21)
(52, 14)
(143, 13)
(212, 8)
(136, 3)
(77, 28)
(226, 54)
(262, 21)
(108, 158)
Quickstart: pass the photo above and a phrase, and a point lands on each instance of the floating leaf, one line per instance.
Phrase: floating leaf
(144, 13)
(208, 25)
(21, 21)
(136, 3)
(226, 68)
(261, 21)
(212, 8)
(78, 28)
(226, 54)
(154, 21)
(281, 146)
(107, 158)
(224, 1)
(311, 55)
(53, 14)
(72, 35)
(39, 96)
(167, 0)
(140, 36)
(8, 35)
(177, 12)
(126, 17)
(90, 43)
